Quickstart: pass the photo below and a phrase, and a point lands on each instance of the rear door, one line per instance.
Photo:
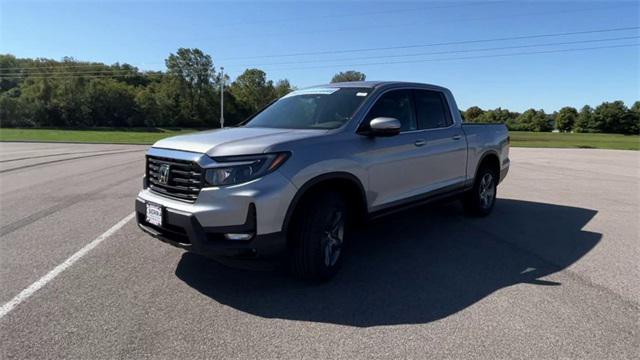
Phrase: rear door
(445, 148)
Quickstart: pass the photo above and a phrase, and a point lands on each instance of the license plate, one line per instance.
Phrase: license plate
(154, 214)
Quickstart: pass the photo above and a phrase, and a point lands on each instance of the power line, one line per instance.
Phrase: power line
(326, 52)
(423, 22)
(459, 42)
(407, 61)
(362, 13)
(69, 76)
(65, 65)
(128, 72)
(82, 71)
(447, 52)
(468, 57)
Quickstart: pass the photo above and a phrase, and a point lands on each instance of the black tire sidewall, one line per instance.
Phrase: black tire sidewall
(307, 235)
(473, 203)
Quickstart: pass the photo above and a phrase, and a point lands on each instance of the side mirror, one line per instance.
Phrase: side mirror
(385, 126)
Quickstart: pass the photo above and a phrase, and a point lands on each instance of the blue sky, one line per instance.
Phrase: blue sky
(257, 34)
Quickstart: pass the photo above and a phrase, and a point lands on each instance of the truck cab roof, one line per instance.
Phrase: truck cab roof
(377, 84)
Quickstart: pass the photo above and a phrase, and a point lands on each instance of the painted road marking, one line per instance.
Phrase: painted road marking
(26, 293)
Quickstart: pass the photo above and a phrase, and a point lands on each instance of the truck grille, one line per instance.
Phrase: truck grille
(184, 180)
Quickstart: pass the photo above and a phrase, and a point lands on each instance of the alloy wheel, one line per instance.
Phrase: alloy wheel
(487, 191)
(333, 239)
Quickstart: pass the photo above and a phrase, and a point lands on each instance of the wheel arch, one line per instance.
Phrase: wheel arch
(345, 183)
(491, 159)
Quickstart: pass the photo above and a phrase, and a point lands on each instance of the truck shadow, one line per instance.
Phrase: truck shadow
(412, 267)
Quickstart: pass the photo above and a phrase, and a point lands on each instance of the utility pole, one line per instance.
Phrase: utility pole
(221, 97)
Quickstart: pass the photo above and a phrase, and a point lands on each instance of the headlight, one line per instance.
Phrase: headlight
(239, 169)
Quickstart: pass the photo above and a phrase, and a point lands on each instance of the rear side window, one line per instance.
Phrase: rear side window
(432, 110)
(396, 104)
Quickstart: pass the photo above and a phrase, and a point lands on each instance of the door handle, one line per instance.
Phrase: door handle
(457, 137)
(420, 142)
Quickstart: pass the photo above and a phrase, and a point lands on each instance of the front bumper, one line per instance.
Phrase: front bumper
(258, 207)
(183, 230)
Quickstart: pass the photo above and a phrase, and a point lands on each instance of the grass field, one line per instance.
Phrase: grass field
(566, 140)
(149, 136)
(109, 136)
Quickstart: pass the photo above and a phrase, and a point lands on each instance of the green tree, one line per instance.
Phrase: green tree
(153, 110)
(566, 118)
(8, 66)
(44, 101)
(235, 112)
(497, 116)
(130, 75)
(473, 114)
(634, 112)
(583, 122)
(69, 103)
(347, 76)
(191, 65)
(12, 110)
(534, 120)
(190, 86)
(282, 88)
(252, 90)
(112, 103)
(612, 117)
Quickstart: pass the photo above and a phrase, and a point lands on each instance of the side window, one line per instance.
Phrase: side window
(432, 110)
(396, 104)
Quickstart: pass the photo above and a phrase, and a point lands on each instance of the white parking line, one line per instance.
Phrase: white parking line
(26, 293)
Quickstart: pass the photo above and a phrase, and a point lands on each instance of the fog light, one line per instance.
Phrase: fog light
(232, 236)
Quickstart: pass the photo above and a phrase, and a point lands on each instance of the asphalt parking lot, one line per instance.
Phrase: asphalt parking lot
(552, 273)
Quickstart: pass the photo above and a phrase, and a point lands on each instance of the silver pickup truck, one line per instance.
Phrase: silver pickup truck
(294, 178)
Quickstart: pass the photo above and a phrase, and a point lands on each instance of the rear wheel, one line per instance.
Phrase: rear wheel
(317, 237)
(479, 201)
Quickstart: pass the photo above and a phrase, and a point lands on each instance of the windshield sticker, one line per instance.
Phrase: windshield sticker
(313, 91)
(361, 94)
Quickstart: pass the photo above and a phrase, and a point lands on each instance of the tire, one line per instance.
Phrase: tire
(317, 237)
(479, 201)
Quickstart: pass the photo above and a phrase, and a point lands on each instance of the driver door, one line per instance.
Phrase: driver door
(396, 164)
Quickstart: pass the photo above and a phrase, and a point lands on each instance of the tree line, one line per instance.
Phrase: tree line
(71, 93)
(608, 117)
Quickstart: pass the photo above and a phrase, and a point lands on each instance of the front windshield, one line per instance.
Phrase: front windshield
(319, 108)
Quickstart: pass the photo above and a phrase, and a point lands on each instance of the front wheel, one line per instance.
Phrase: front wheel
(479, 201)
(317, 237)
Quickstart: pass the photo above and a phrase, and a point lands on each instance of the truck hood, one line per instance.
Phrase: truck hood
(234, 141)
